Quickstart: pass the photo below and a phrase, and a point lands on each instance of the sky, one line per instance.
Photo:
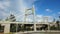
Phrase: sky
(50, 8)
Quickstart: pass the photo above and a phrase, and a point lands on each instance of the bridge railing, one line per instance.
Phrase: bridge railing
(16, 27)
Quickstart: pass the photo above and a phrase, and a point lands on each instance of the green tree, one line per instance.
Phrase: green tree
(57, 23)
(11, 18)
(13, 28)
(53, 27)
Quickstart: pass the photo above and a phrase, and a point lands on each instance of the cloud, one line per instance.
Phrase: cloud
(22, 18)
(50, 18)
(3, 15)
(48, 10)
(58, 12)
(39, 18)
(3, 8)
(19, 13)
(22, 6)
(4, 4)
(29, 20)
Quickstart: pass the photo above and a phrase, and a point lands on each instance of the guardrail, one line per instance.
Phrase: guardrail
(7, 27)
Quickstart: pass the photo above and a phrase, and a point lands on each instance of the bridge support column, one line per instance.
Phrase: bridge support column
(7, 28)
(34, 27)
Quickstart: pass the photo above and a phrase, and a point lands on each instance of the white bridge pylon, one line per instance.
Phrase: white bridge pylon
(30, 12)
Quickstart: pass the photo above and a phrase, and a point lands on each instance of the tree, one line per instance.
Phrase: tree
(11, 18)
(1, 28)
(57, 23)
(53, 27)
(58, 27)
(13, 27)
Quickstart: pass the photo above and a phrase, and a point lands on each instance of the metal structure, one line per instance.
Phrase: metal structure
(28, 14)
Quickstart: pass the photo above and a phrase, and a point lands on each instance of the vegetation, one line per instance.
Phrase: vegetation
(1, 28)
(13, 28)
(57, 25)
(11, 18)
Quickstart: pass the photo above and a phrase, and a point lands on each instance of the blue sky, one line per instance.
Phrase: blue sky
(48, 7)
(17, 7)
